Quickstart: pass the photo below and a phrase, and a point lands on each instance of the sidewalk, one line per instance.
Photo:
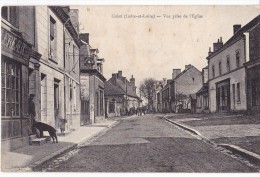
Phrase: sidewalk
(29, 157)
(232, 131)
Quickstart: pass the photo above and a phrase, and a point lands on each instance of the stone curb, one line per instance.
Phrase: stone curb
(35, 165)
(250, 156)
(183, 126)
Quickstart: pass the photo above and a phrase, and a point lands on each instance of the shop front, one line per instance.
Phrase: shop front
(15, 54)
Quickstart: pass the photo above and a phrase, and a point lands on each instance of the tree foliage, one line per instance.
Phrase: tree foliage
(147, 88)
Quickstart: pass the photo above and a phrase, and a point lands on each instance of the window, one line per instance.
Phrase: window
(11, 89)
(213, 71)
(193, 79)
(255, 92)
(220, 69)
(238, 92)
(53, 39)
(10, 13)
(228, 64)
(237, 59)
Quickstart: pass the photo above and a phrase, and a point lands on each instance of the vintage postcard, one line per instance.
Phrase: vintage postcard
(130, 88)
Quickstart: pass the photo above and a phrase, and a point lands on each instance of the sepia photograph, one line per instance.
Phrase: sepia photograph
(130, 88)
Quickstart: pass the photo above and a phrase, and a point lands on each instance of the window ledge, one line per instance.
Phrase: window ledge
(238, 102)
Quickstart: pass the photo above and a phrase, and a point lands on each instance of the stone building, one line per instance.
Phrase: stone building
(120, 95)
(17, 43)
(253, 67)
(92, 83)
(227, 74)
(71, 70)
(176, 93)
(202, 98)
(58, 42)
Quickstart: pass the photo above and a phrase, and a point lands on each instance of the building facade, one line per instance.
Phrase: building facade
(227, 74)
(71, 69)
(253, 69)
(92, 83)
(202, 98)
(17, 42)
(176, 93)
(120, 95)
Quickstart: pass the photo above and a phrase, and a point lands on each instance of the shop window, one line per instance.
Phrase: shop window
(11, 89)
(53, 39)
(10, 13)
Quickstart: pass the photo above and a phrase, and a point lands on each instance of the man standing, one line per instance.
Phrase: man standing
(31, 111)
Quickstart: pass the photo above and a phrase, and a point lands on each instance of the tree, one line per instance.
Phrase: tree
(147, 89)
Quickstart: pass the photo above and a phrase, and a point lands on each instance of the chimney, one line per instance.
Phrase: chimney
(217, 45)
(84, 37)
(236, 28)
(132, 81)
(113, 79)
(119, 74)
(187, 66)
(209, 53)
(175, 73)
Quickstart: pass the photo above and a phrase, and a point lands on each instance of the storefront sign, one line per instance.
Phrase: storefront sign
(15, 44)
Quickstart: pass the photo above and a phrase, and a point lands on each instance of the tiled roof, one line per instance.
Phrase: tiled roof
(119, 88)
(203, 89)
(111, 89)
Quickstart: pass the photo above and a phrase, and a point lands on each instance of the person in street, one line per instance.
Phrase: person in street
(31, 111)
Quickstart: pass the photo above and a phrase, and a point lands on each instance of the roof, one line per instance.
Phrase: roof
(203, 89)
(184, 71)
(239, 33)
(111, 89)
(119, 88)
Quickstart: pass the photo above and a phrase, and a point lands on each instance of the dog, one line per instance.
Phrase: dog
(44, 127)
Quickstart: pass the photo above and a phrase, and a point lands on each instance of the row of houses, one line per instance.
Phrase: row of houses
(230, 81)
(43, 54)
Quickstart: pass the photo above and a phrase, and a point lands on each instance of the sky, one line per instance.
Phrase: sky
(152, 47)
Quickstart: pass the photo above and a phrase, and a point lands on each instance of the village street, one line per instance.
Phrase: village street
(148, 144)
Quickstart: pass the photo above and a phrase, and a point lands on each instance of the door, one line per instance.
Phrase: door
(223, 96)
(85, 116)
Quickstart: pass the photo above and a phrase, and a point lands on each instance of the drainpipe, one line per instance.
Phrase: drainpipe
(64, 75)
